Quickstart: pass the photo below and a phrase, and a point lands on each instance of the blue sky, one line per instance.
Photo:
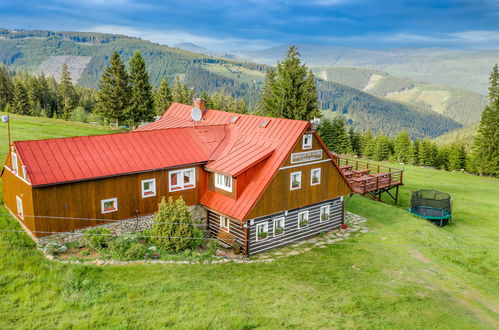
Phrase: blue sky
(225, 25)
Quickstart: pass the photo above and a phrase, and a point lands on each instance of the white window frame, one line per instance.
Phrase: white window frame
(312, 176)
(305, 145)
(15, 164)
(266, 230)
(274, 225)
(115, 200)
(291, 180)
(325, 209)
(180, 181)
(25, 175)
(20, 208)
(151, 192)
(224, 221)
(307, 218)
(222, 185)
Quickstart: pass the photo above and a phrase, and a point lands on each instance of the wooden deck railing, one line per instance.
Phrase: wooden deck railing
(376, 176)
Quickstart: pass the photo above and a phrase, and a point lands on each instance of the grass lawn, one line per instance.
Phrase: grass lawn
(403, 273)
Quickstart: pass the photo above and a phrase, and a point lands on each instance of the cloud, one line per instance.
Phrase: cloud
(476, 36)
(173, 37)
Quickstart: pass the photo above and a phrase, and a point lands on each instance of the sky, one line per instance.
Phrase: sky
(225, 25)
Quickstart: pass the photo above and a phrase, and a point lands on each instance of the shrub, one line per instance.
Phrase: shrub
(174, 225)
(135, 251)
(213, 246)
(97, 238)
(119, 246)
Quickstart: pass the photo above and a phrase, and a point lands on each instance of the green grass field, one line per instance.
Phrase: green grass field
(404, 273)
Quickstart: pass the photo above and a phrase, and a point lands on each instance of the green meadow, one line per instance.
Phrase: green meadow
(404, 273)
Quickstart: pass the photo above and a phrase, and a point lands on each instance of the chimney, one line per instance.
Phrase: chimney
(201, 104)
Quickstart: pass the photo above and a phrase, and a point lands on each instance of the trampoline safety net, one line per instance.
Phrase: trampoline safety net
(430, 199)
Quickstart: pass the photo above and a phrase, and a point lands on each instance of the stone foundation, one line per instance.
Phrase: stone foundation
(123, 227)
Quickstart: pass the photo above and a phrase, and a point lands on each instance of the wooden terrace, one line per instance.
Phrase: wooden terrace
(370, 179)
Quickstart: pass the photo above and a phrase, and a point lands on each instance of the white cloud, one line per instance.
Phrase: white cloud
(173, 37)
(476, 36)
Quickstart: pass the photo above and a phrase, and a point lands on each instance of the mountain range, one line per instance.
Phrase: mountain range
(367, 98)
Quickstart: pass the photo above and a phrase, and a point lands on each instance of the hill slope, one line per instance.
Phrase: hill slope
(464, 135)
(88, 54)
(466, 69)
(463, 106)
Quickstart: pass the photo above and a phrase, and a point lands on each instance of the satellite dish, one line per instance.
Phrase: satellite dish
(196, 114)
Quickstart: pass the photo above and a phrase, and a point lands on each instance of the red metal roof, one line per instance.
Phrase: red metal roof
(82, 158)
(275, 141)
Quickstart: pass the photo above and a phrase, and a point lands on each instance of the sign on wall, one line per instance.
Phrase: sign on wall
(307, 156)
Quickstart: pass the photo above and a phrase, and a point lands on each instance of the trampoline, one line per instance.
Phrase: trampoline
(431, 205)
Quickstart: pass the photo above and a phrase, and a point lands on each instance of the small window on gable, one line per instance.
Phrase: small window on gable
(182, 179)
(223, 182)
(15, 165)
(307, 141)
(109, 205)
(25, 176)
(279, 226)
(148, 188)
(325, 213)
(303, 219)
(295, 181)
(224, 223)
(262, 231)
(315, 176)
(20, 212)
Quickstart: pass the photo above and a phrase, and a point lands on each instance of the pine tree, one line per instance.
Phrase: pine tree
(401, 147)
(414, 152)
(181, 93)
(114, 91)
(20, 101)
(141, 102)
(456, 158)
(6, 88)
(485, 150)
(355, 142)
(326, 133)
(290, 92)
(382, 148)
(174, 226)
(368, 145)
(163, 98)
(340, 138)
(67, 93)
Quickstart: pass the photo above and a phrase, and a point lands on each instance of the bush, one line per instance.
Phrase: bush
(174, 227)
(135, 251)
(213, 246)
(119, 247)
(97, 238)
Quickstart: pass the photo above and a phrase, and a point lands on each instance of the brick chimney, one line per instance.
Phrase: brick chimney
(201, 104)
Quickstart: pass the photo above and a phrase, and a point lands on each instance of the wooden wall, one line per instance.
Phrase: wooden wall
(14, 186)
(236, 230)
(82, 200)
(292, 233)
(278, 196)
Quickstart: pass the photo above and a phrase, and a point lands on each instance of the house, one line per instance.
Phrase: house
(264, 182)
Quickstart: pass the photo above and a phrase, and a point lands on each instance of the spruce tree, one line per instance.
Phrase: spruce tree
(401, 147)
(6, 88)
(141, 106)
(20, 101)
(340, 138)
(382, 148)
(326, 133)
(355, 142)
(114, 91)
(456, 158)
(163, 97)
(368, 145)
(181, 93)
(290, 92)
(485, 150)
(67, 93)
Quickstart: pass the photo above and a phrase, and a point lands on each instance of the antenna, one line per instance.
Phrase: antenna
(196, 114)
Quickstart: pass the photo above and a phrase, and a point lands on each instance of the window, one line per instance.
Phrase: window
(315, 176)
(278, 226)
(307, 141)
(24, 172)
(262, 231)
(303, 219)
(295, 182)
(20, 212)
(224, 223)
(15, 167)
(148, 188)
(325, 213)
(182, 179)
(109, 205)
(223, 182)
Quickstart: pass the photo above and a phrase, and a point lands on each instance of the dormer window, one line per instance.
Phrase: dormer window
(307, 141)
(15, 166)
(223, 182)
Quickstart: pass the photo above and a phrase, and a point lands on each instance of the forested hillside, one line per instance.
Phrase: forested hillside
(87, 54)
(461, 105)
